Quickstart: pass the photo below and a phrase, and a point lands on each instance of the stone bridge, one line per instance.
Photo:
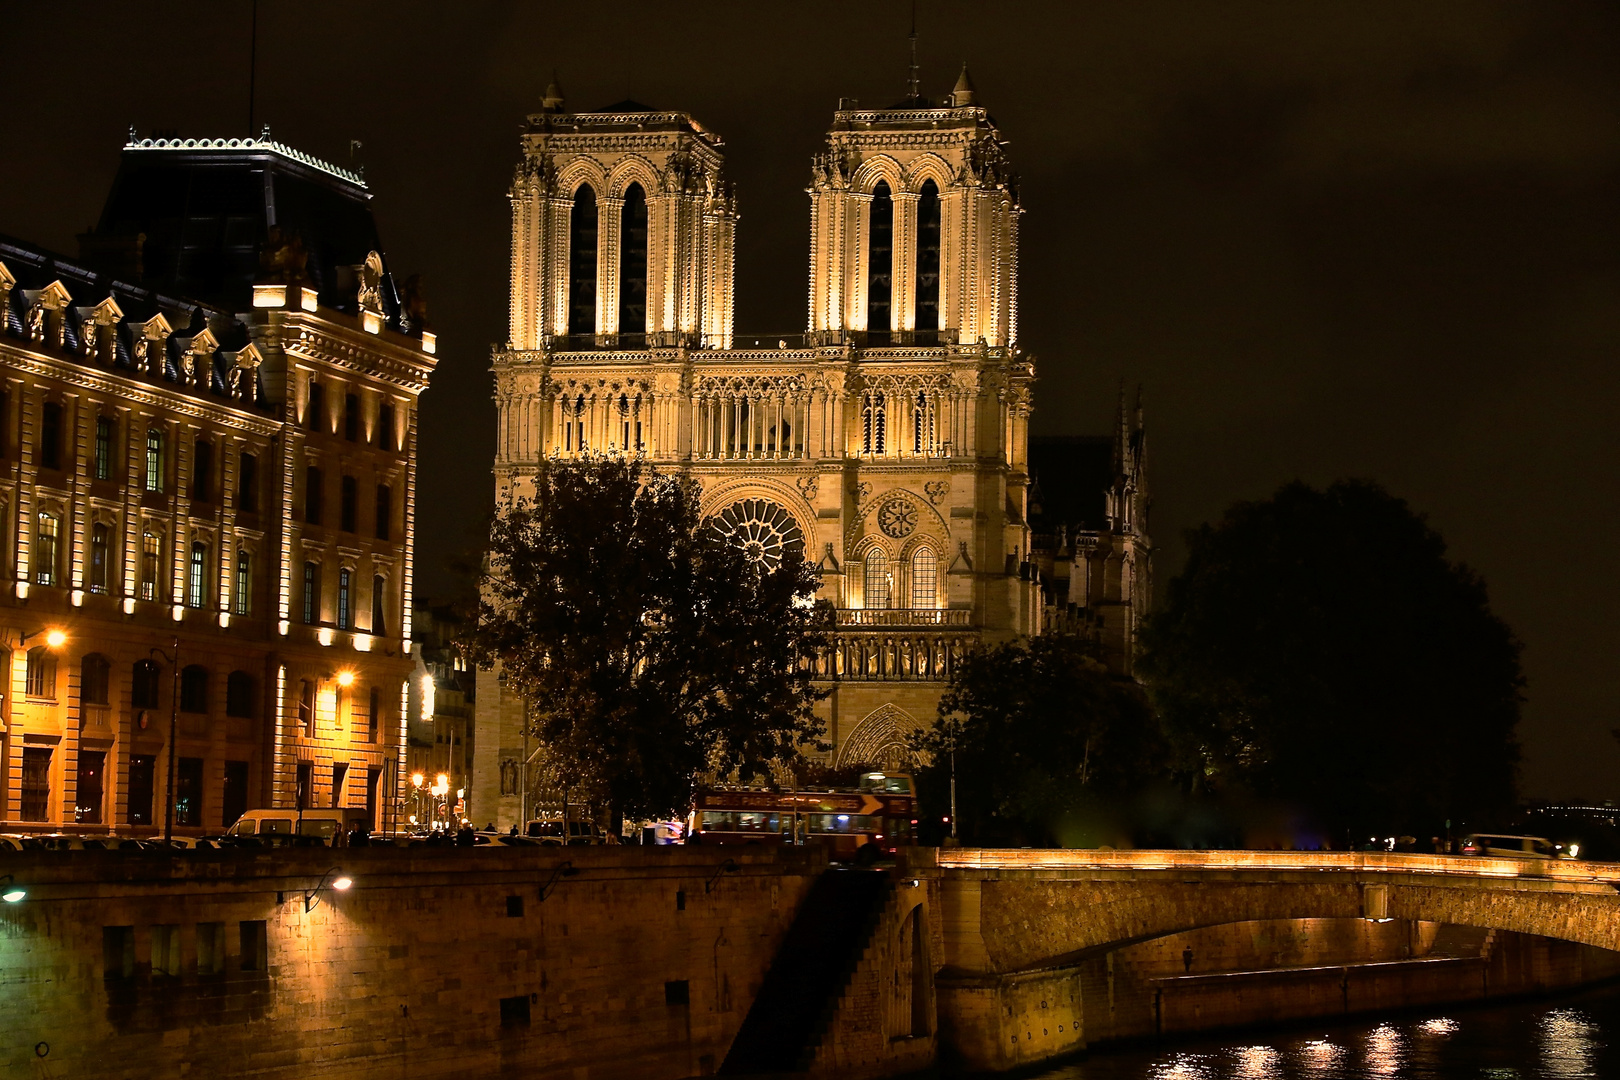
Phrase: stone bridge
(1014, 926)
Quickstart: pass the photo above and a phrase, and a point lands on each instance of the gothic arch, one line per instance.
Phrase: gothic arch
(928, 167)
(629, 170)
(880, 739)
(582, 170)
(784, 494)
(875, 168)
(928, 520)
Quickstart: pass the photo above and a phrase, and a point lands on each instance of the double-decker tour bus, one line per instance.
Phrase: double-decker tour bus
(881, 810)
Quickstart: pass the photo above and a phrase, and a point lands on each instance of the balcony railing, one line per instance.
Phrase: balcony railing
(908, 617)
(815, 339)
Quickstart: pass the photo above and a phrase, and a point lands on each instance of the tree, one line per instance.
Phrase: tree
(1046, 742)
(1320, 649)
(649, 647)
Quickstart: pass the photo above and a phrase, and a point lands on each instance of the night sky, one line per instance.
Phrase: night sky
(1357, 239)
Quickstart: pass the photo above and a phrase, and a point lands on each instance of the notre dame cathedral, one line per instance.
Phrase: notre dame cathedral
(888, 442)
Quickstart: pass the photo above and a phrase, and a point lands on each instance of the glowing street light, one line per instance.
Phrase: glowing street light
(345, 678)
(13, 892)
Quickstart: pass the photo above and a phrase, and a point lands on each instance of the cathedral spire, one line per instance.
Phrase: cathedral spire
(964, 92)
(912, 93)
(552, 99)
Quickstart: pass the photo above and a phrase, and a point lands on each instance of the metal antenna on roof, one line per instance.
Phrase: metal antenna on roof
(914, 94)
(253, 65)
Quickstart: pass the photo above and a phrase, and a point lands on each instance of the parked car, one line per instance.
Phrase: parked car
(1504, 846)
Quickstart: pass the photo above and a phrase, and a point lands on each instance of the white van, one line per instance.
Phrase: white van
(328, 826)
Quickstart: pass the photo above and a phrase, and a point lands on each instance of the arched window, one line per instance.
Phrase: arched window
(194, 689)
(100, 543)
(379, 605)
(873, 422)
(633, 264)
(94, 676)
(244, 583)
(197, 576)
(240, 693)
(47, 549)
(924, 574)
(928, 260)
(582, 262)
(154, 459)
(878, 585)
(924, 428)
(312, 593)
(345, 606)
(41, 680)
(879, 263)
(143, 686)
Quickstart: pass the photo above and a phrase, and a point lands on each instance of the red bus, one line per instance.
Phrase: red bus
(881, 810)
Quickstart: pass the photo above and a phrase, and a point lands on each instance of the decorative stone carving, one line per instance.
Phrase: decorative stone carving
(35, 322)
(897, 518)
(807, 486)
(937, 490)
(371, 276)
(880, 739)
(863, 490)
(766, 531)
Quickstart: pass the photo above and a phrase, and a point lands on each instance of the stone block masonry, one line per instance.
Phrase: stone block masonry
(585, 962)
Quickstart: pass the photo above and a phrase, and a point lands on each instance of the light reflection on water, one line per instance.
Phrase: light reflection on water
(1567, 1040)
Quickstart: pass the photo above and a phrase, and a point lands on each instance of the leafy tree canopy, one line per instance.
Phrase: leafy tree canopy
(649, 647)
(1320, 649)
(1044, 739)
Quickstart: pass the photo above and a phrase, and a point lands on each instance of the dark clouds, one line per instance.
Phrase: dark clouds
(1354, 239)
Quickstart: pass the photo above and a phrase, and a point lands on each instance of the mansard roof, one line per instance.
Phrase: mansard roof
(196, 217)
(134, 312)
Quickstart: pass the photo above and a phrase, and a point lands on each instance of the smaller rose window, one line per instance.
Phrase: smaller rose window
(897, 518)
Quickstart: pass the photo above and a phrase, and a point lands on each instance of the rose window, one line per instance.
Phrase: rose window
(897, 518)
(766, 531)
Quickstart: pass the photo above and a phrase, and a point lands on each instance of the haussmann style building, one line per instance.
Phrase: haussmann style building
(207, 478)
(887, 441)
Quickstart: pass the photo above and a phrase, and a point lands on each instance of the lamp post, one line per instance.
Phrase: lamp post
(174, 725)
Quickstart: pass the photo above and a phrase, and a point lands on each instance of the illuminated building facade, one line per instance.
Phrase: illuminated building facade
(207, 444)
(439, 715)
(886, 442)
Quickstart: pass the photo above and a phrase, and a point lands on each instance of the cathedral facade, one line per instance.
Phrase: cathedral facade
(887, 441)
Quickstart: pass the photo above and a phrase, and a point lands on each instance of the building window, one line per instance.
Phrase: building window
(47, 546)
(154, 459)
(88, 800)
(306, 783)
(188, 789)
(312, 593)
(351, 417)
(314, 484)
(41, 678)
(633, 262)
(316, 405)
(878, 592)
(151, 556)
(36, 783)
(923, 424)
(928, 259)
(340, 773)
(244, 583)
(349, 497)
(385, 510)
(374, 707)
(194, 689)
(143, 689)
(100, 542)
(104, 437)
(879, 262)
(197, 576)
(142, 773)
(50, 436)
(95, 673)
(247, 484)
(874, 421)
(306, 707)
(240, 694)
(379, 605)
(344, 609)
(924, 573)
(582, 262)
(385, 426)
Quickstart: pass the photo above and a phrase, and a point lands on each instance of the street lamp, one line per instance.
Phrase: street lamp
(13, 892)
(174, 724)
(339, 882)
(54, 637)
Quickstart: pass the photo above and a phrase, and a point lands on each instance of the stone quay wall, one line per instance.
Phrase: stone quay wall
(640, 963)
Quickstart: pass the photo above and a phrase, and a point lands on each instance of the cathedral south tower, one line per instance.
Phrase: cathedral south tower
(886, 442)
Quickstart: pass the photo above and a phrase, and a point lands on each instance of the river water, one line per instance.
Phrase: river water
(1567, 1037)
